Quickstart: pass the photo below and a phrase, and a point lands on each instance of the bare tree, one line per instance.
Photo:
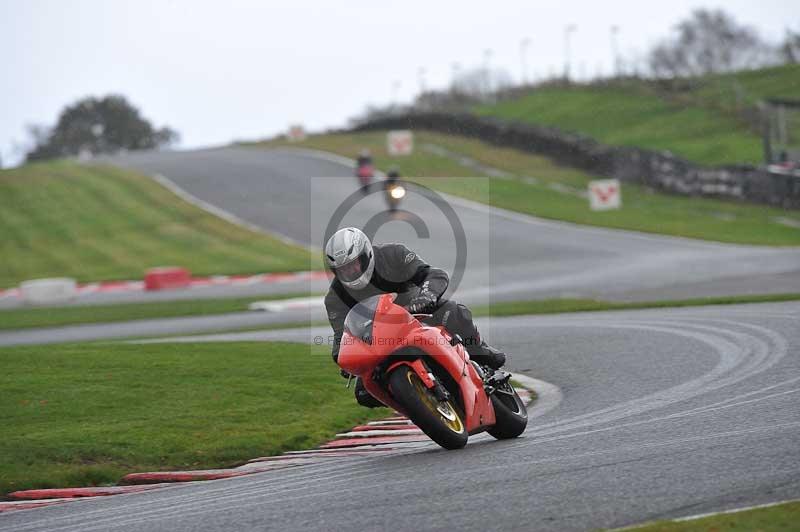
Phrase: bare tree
(480, 83)
(708, 42)
(790, 48)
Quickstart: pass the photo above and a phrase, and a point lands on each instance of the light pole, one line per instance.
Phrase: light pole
(455, 67)
(421, 79)
(568, 31)
(396, 84)
(523, 57)
(487, 60)
(614, 50)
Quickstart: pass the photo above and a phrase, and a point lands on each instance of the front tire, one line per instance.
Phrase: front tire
(510, 413)
(440, 420)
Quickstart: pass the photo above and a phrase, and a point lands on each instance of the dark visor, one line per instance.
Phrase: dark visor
(353, 269)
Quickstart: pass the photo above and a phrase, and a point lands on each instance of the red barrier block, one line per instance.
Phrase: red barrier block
(167, 278)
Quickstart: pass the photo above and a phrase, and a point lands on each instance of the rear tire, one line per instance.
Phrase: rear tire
(510, 413)
(440, 420)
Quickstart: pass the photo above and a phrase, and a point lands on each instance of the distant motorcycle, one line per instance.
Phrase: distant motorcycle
(394, 193)
(365, 171)
(426, 374)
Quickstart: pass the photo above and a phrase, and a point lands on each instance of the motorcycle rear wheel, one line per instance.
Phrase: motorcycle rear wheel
(510, 413)
(440, 420)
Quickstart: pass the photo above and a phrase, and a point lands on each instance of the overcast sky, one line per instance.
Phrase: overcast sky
(223, 70)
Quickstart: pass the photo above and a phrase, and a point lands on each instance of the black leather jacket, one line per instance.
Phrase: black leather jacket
(397, 269)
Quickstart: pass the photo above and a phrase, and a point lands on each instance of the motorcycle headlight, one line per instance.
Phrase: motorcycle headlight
(397, 192)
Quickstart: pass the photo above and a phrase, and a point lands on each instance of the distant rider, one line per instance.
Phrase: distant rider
(392, 177)
(364, 158)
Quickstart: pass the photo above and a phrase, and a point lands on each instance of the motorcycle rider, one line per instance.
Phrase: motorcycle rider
(362, 270)
(392, 177)
(391, 183)
(364, 158)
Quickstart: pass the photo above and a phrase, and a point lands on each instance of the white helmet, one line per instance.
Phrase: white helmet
(350, 258)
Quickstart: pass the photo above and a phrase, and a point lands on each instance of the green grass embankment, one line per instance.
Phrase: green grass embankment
(102, 223)
(78, 415)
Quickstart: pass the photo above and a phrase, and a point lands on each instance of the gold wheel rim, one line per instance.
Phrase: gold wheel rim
(443, 409)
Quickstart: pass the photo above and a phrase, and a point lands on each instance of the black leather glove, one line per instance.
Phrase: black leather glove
(423, 303)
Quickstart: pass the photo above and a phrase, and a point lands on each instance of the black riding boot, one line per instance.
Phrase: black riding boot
(486, 355)
(457, 319)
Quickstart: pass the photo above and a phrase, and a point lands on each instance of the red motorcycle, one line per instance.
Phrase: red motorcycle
(365, 172)
(426, 374)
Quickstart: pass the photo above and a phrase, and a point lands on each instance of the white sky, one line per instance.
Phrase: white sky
(223, 70)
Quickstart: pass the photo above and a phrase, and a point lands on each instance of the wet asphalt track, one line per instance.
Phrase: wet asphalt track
(509, 256)
(665, 413)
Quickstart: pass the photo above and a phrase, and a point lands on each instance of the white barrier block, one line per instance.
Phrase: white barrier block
(45, 291)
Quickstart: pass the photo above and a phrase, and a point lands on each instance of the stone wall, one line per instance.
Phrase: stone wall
(659, 170)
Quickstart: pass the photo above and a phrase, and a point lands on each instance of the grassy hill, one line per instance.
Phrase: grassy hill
(98, 223)
(703, 124)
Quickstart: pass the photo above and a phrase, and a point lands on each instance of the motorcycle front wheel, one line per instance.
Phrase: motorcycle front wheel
(440, 420)
(510, 413)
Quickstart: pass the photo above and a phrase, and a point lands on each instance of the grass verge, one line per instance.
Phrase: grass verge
(86, 414)
(553, 306)
(100, 223)
(553, 191)
(778, 518)
(58, 316)
(558, 306)
(533, 307)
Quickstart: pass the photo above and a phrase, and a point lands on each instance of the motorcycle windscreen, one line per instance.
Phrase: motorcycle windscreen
(361, 317)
